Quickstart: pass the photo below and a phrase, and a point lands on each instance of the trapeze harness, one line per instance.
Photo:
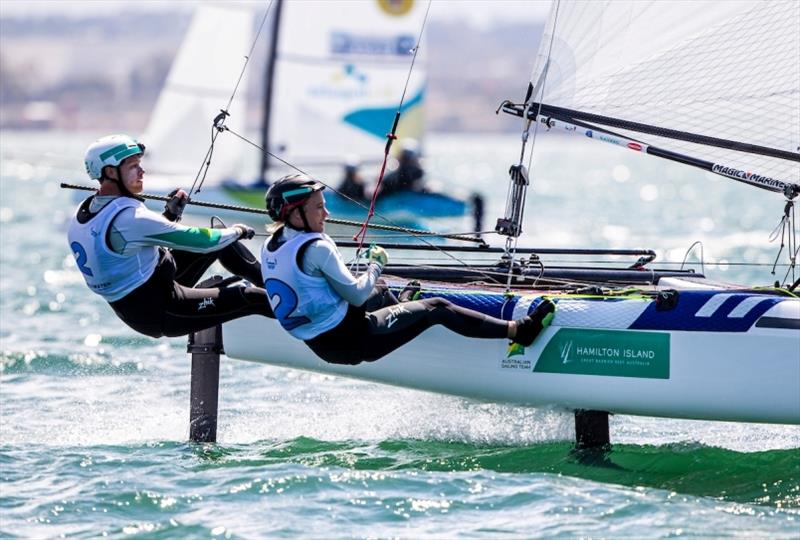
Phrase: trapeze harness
(307, 283)
(123, 252)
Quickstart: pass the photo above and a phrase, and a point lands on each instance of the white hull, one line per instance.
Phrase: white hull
(751, 376)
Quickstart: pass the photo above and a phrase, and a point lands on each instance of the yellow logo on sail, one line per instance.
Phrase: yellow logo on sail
(396, 7)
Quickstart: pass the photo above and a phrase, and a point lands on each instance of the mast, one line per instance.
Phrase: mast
(270, 76)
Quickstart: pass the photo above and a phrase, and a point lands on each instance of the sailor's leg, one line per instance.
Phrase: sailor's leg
(431, 311)
(238, 260)
(235, 258)
(394, 326)
(190, 267)
(190, 309)
(380, 297)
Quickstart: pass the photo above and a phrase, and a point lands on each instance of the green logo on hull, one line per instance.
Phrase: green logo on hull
(606, 352)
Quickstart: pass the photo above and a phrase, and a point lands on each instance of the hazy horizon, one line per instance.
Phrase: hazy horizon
(480, 13)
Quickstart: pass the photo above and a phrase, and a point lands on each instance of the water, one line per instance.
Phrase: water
(94, 418)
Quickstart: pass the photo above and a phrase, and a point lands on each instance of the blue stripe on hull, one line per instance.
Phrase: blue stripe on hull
(726, 312)
(685, 315)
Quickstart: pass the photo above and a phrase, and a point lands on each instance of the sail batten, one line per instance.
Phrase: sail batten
(728, 71)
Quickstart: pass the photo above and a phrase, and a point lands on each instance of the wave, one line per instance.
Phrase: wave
(769, 478)
(79, 364)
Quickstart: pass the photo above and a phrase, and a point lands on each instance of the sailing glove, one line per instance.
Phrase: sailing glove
(173, 210)
(378, 255)
(245, 232)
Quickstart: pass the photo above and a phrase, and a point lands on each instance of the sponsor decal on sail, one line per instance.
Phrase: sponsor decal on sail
(372, 45)
(608, 353)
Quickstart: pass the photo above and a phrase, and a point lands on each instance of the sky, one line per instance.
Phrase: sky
(480, 13)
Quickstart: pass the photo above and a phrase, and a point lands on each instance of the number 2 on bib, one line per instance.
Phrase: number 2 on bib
(283, 300)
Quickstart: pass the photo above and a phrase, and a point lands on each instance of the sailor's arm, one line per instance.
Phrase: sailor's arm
(323, 257)
(133, 229)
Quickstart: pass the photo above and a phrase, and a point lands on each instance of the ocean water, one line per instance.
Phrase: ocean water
(94, 418)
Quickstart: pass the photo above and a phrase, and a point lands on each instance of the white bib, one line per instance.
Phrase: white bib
(109, 274)
(306, 306)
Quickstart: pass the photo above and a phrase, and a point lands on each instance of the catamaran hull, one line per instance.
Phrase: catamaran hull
(749, 376)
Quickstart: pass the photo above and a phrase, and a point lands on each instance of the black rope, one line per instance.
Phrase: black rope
(345, 222)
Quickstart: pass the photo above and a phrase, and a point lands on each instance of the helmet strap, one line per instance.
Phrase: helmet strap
(306, 227)
(124, 191)
(305, 221)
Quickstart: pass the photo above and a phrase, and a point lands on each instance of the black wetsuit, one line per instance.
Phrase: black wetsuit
(168, 305)
(382, 325)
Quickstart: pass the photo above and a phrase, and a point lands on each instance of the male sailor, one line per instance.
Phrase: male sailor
(318, 300)
(145, 264)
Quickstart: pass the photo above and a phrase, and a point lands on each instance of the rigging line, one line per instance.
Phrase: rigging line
(784, 225)
(301, 171)
(249, 210)
(415, 233)
(512, 250)
(488, 274)
(218, 123)
(393, 227)
(466, 234)
(793, 248)
(390, 137)
(249, 54)
(702, 256)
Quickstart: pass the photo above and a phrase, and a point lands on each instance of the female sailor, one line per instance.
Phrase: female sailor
(145, 264)
(318, 300)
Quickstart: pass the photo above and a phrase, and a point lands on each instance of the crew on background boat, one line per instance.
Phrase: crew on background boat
(145, 264)
(409, 175)
(352, 184)
(344, 319)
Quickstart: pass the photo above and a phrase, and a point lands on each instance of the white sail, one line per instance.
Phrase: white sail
(729, 70)
(200, 83)
(340, 71)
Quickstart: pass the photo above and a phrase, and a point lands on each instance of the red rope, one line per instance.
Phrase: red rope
(362, 232)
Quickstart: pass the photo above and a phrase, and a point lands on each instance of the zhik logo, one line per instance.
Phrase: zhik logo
(393, 313)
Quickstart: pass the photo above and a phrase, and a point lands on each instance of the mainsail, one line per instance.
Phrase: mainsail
(726, 71)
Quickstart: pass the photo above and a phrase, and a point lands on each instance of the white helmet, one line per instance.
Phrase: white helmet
(110, 150)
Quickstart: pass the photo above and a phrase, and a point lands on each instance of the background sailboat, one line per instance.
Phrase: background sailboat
(333, 77)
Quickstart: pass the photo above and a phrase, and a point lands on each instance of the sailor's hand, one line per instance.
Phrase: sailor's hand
(173, 210)
(378, 255)
(245, 232)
